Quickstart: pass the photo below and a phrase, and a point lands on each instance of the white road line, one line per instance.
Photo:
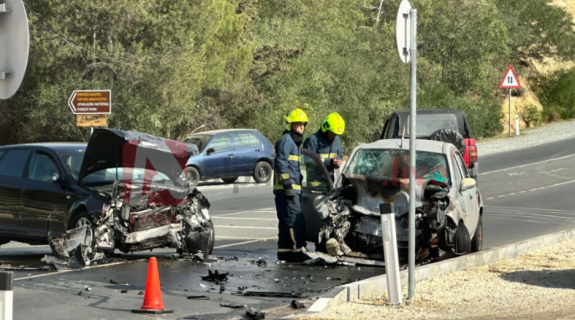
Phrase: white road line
(515, 219)
(534, 215)
(66, 271)
(266, 210)
(247, 227)
(240, 238)
(535, 189)
(526, 165)
(531, 209)
(245, 242)
(257, 219)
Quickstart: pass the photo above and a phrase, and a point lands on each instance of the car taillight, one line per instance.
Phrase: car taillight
(472, 153)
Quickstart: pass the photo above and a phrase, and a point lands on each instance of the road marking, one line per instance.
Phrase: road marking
(241, 238)
(266, 210)
(515, 219)
(529, 214)
(526, 165)
(531, 209)
(245, 242)
(257, 219)
(66, 271)
(534, 189)
(246, 227)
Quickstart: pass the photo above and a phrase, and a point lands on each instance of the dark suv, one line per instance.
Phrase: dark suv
(438, 123)
(228, 154)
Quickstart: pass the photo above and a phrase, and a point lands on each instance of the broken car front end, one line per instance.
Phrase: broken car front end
(149, 204)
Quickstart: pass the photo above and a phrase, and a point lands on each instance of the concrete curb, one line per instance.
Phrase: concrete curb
(376, 286)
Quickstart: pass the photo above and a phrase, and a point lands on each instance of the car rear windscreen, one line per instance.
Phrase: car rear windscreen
(429, 123)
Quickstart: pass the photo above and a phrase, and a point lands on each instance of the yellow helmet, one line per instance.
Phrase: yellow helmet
(334, 123)
(298, 115)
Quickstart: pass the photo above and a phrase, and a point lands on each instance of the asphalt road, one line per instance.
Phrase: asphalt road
(527, 193)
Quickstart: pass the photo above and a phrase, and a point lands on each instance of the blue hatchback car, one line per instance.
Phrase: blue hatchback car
(229, 154)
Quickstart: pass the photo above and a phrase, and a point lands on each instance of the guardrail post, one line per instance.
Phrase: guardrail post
(389, 237)
(6, 295)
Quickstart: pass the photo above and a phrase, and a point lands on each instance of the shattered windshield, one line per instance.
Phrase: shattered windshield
(73, 162)
(394, 164)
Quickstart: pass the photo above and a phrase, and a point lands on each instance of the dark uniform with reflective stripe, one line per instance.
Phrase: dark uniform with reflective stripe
(287, 176)
(326, 149)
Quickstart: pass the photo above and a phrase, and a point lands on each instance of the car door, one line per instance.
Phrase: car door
(470, 196)
(462, 197)
(12, 165)
(245, 154)
(45, 196)
(316, 184)
(218, 160)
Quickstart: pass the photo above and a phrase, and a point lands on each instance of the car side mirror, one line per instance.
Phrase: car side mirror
(210, 151)
(467, 184)
(375, 136)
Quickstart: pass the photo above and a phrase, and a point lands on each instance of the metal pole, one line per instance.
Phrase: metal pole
(412, 134)
(390, 252)
(510, 112)
(6, 295)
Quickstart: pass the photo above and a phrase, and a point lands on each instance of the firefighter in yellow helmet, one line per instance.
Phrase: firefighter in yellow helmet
(287, 189)
(326, 143)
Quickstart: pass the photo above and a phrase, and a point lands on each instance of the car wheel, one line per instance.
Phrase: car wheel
(477, 241)
(84, 219)
(462, 241)
(230, 180)
(262, 172)
(193, 176)
(212, 241)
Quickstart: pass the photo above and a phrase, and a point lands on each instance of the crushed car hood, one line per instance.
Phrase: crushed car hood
(109, 148)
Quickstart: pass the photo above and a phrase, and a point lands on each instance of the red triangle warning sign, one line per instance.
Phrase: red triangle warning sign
(510, 81)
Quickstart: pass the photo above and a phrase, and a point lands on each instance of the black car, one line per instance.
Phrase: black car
(83, 187)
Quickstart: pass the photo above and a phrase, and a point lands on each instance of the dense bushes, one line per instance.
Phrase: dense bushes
(176, 65)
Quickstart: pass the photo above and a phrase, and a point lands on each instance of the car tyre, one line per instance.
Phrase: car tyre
(193, 176)
(262, 172)
(477, 241)
(230, 180)
(80, 220)
(211, 243)
(462, 240)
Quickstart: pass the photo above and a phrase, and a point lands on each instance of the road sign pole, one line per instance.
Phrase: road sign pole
(510, 112)
(412, 134)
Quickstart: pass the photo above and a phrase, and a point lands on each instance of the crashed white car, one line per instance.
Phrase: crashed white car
(345, 220)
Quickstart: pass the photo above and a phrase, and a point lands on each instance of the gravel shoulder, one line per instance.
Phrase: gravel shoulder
(537, 285)
(528, 138)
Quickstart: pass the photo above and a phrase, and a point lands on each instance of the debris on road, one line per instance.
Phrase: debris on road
(88, 289)
(141, 293)
(124, 291)
(297, 305)
(222, 288)
(25, 268)
(242, 288)
(260, 262)
(198, 298)
(254, 314)
(233, 306)
(215, 276)
(271, 294)
(113, 281)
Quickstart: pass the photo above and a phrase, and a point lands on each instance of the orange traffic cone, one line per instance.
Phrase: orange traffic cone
(153, 295)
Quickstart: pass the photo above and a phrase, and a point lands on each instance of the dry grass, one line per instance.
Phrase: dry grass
(537, 285)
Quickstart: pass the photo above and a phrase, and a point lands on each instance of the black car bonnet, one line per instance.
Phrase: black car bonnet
(109, 148)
